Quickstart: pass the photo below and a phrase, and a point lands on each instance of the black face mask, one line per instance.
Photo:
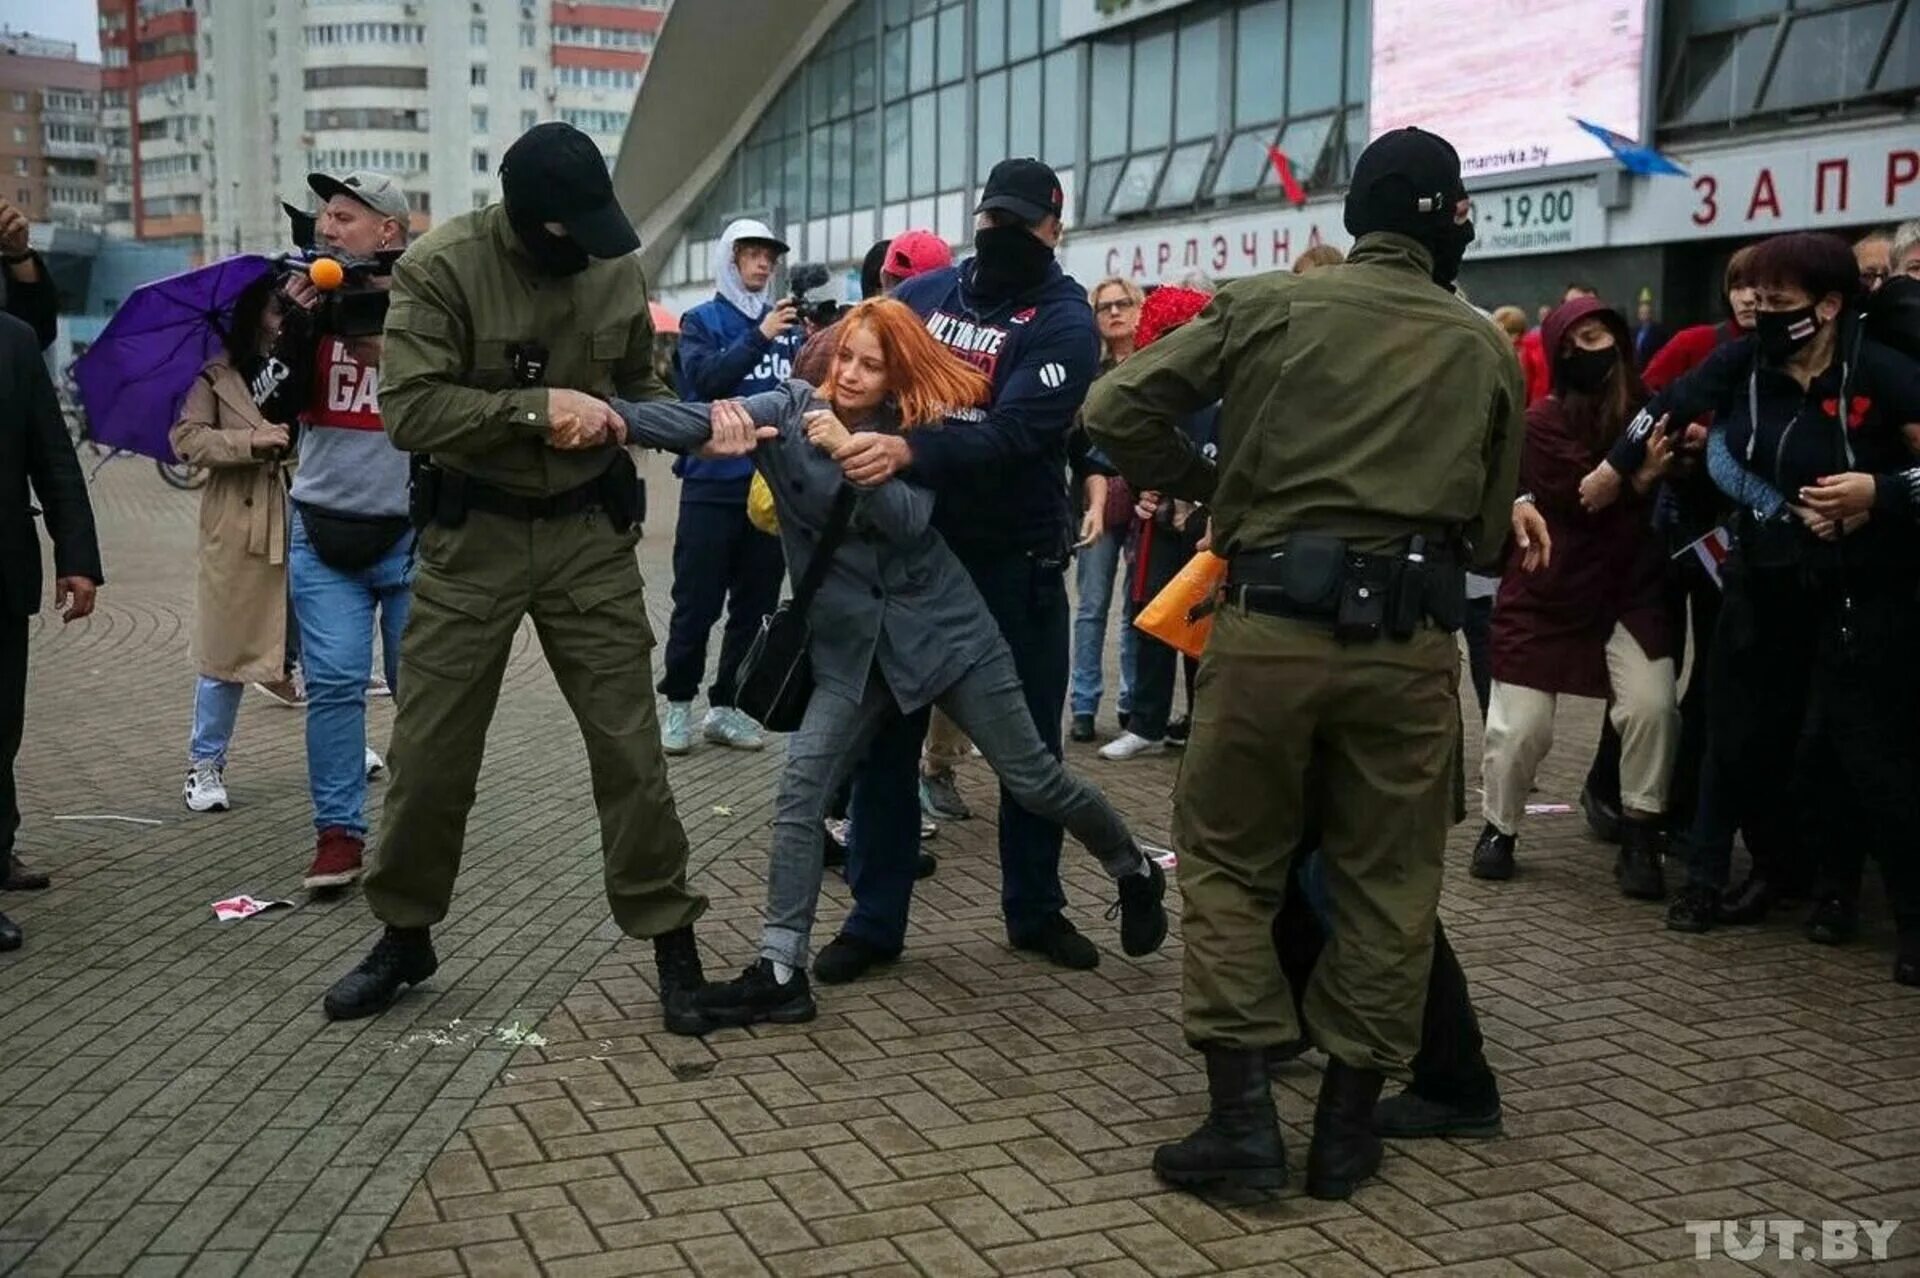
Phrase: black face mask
(1449, 246)
(1782, 334)
(1588, 371)
(553, 254)
(1008, 260)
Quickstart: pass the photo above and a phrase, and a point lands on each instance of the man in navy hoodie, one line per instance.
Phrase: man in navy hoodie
(740, 343)
(1011, 312)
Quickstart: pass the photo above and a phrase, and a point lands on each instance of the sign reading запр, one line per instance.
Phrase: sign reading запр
(1451, 65)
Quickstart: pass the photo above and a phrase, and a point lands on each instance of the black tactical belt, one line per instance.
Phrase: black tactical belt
(498, 501)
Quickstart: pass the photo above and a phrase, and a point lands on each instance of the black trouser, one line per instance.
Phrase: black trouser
(13, 718)
(1451, 1066)
(719, 560)
(1165, 553)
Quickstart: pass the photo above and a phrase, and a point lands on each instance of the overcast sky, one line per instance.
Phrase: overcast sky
(75, 20)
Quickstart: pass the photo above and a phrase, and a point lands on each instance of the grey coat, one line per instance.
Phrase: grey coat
(895, 595)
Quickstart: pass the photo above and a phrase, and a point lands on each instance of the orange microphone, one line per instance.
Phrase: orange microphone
(326, 274)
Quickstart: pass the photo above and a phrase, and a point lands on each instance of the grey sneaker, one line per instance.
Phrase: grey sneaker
(940, 797)
(676, 730)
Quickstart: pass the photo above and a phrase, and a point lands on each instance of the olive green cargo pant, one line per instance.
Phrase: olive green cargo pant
(578, 579)
(1288, 724)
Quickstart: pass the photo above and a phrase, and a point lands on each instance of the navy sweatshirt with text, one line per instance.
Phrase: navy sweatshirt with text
(724, 355)
(1002, 476)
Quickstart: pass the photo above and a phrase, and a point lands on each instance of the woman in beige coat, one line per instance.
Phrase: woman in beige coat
(240, 598)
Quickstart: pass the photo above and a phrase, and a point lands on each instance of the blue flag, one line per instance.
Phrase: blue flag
(1633, 157)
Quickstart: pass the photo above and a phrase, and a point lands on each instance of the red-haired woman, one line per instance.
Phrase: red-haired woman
(897, 625)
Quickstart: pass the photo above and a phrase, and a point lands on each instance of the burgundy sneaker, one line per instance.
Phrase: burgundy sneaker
(337, 860)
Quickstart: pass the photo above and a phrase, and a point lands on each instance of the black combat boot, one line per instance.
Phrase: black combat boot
(1637, 869)
(1345, 1149)
(1493, 855)
(1238, 1146)
(676, 963)
(402, 956)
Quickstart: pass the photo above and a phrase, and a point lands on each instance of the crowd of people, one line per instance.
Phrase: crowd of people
(1385, 469)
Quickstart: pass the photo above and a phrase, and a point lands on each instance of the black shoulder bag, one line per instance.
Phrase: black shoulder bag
(775, 679)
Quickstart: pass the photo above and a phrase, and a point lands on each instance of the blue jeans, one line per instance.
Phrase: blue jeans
(1029, 601)
(1094, 570)
(216, 705)
(337, 612)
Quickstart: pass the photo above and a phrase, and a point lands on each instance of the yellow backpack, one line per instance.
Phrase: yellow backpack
(760, 512)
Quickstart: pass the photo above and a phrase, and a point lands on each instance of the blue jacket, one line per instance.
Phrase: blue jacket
(723, 354)
(1001, 472)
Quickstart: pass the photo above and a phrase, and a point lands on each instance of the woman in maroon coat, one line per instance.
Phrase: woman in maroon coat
(1593, 623)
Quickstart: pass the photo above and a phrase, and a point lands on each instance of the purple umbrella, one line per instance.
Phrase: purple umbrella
(136, 374)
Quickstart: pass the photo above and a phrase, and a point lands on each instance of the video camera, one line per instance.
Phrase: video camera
(803, 279)
(351, 303)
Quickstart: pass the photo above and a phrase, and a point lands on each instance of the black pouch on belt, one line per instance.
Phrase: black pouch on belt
(1407, 599)
(1363, 601)
(1311, 568)
(619, 486)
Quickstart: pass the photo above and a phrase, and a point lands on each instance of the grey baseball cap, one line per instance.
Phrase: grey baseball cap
(375, 190)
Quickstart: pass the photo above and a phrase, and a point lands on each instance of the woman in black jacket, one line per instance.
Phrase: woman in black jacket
(1808, 439)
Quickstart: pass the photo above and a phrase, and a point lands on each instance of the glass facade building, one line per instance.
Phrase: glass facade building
(904, 106)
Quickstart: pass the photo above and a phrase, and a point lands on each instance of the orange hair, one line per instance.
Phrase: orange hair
(925, 378)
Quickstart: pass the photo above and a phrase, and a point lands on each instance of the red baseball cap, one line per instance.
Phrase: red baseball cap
(915, 253)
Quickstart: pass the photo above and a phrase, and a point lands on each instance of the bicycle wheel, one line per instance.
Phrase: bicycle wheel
(181, 475)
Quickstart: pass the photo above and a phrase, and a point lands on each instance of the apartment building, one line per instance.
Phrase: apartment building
(50, 145)
(216, 111)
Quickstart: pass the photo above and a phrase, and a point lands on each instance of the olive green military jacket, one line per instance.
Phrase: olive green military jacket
(1360, 401)
(466, 297)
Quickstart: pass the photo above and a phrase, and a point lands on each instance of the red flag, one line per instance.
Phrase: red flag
(1284, 171)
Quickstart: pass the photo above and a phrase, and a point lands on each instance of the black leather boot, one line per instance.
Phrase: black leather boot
(676, 965)
(1238, 1146)
(1493, 855)
(1637, 870)
(402, 956)
(1345, 1149)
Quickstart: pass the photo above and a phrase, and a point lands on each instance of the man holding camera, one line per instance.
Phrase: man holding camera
(349, 545)
(742, 342)
(507, 327)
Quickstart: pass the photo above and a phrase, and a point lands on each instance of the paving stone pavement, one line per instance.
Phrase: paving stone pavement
(171, 1100)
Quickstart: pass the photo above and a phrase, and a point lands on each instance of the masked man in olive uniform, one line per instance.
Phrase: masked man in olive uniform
(505, 328)
(1370, 438)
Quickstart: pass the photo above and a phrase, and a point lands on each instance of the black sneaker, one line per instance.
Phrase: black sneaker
(1141, 911)
(401, 957)
(1410, 1116)
(676, 964)
(755, 996)
(1693, 910)
(1082, 730)
(1059, 942)
(1749, 903)
(1178, 731)
(848, 958)
(1835, 921)
(1493, 855)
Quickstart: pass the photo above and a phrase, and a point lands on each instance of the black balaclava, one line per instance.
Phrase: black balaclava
(1008, 260)
(553, 254)
(1408, 182)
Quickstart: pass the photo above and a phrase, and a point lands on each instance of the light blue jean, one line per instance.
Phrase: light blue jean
(216, 706)
(1094, 570)
(337, 612)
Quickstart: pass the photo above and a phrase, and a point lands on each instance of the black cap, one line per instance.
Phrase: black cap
(1025, 188)
(555, 173)
(1406, 181)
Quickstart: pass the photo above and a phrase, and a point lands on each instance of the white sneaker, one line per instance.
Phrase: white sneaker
(730, 728)
(1127, 745)
(206, 788)
(929, 828)
(377, 687)
(837, 828)
(676, 730)
(376, 766)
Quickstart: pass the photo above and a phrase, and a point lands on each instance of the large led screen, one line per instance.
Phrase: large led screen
(1504, 80)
